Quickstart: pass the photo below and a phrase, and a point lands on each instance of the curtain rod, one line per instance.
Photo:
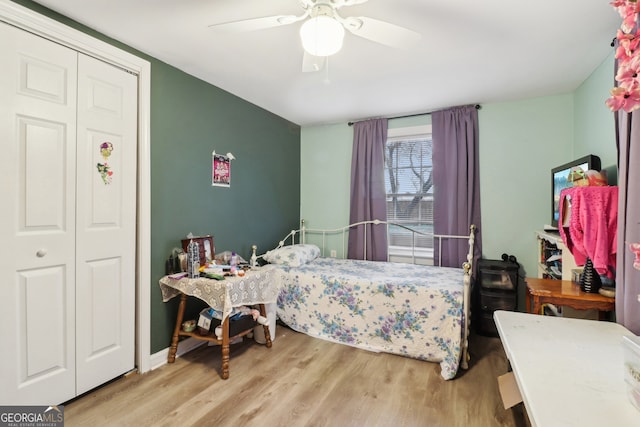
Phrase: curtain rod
(478, 106)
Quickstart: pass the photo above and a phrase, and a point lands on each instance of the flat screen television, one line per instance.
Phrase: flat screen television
(560, 181)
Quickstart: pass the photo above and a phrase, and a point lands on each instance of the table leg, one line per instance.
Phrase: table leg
(536, 306)
(176, 331)
(225, 349)
(267, 334)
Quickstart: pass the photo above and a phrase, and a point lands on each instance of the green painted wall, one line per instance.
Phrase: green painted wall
(520, 142)
(190, 119)
(325, 161)
(594, 126)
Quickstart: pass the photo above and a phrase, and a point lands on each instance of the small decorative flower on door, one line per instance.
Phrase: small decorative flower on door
(103, 168)
(635, 248)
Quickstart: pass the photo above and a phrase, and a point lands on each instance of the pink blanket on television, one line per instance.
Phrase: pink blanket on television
(593, 225)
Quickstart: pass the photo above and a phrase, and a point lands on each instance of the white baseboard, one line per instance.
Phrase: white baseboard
(160, 358)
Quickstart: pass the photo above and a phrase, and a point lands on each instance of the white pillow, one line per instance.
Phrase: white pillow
(293, 255)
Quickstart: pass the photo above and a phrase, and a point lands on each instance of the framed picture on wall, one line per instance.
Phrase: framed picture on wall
(221, 170)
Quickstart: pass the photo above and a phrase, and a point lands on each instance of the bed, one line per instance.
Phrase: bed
(418, 311)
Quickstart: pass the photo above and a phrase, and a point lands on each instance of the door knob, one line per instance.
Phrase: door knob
(41, 253)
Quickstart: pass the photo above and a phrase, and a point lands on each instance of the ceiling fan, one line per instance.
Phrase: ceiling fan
(322, 32)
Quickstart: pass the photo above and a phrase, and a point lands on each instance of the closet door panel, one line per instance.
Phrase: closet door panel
(106, 222)
(42, 156)
(41, 295)
(103, 306)
(37, 231)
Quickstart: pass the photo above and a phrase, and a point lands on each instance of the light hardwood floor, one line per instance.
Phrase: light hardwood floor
(302, 381)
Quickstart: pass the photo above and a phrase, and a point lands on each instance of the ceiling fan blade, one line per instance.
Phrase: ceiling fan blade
(311, 63)
(256, 23)
(381, 32)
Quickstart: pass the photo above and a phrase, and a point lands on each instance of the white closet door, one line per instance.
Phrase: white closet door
(37, 219)
(106, 222)
(68, 141)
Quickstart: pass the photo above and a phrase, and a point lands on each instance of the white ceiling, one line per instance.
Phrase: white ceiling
(480, 51)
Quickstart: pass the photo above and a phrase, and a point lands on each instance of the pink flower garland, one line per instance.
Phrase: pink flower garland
(626, 95)
(635, 248)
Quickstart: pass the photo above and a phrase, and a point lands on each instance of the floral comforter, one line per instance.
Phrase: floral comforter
(405, 309)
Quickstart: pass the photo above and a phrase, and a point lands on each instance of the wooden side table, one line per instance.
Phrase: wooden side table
(256, 287)
(211, 337)
(564, 293)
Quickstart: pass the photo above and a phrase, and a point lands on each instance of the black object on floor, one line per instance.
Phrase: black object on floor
(496, 288)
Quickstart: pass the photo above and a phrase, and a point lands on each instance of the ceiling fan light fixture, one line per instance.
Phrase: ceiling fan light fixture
(322, 36)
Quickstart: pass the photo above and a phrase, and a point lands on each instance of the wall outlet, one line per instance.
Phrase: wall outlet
(333, 253)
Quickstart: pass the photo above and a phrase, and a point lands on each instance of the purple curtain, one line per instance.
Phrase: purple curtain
(368, 195)
(456, 181)
(628, 277)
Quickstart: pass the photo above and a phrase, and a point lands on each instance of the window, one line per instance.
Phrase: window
(409, 189)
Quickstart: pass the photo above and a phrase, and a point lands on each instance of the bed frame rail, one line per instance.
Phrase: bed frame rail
(344, 233)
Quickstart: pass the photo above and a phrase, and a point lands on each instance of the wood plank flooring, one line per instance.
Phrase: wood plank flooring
(302, 381)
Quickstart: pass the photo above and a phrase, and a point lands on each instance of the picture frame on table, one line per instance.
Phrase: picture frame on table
(206, 247)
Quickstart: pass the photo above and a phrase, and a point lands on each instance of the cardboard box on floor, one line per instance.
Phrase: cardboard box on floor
(511, 397)
(509, 390)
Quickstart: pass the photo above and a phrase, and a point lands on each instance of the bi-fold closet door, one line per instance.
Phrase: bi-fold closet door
(68, 144)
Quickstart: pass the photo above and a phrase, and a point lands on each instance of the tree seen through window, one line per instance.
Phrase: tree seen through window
(409, 188)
